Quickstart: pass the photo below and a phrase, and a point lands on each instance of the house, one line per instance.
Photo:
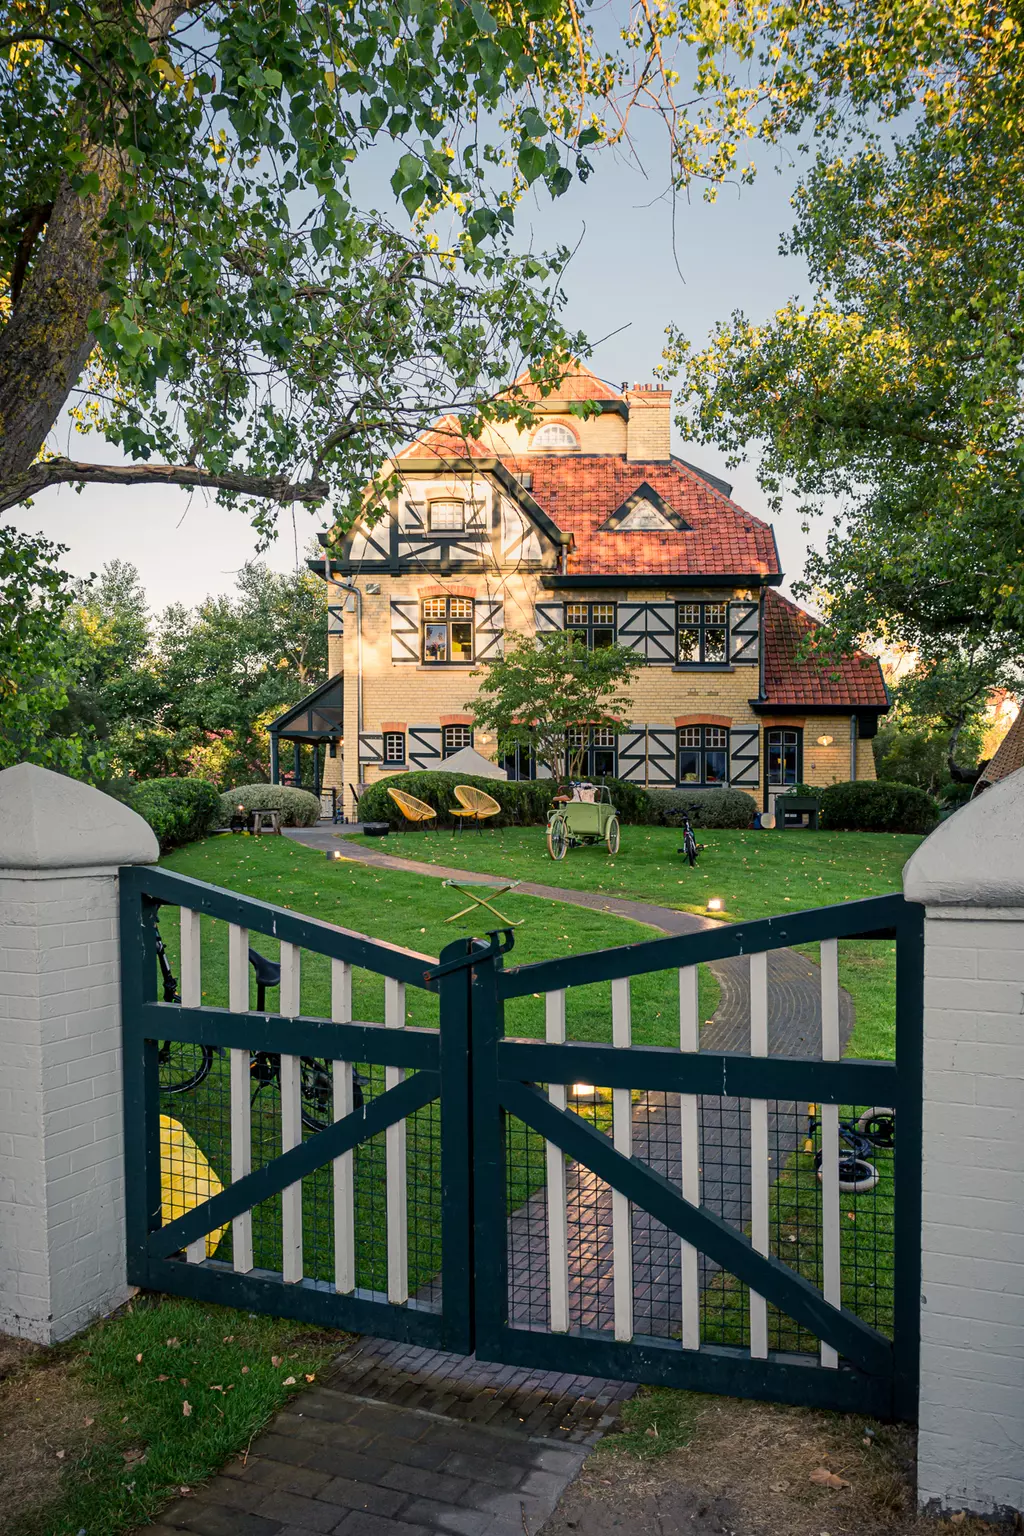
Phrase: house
(595, 526)
(1008, 759)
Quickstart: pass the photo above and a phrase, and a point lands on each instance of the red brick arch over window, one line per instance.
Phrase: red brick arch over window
(725, 720)
(392, 725)
(436, 591)
(456, 719)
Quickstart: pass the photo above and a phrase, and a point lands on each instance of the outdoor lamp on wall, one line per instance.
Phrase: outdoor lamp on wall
(825, 741)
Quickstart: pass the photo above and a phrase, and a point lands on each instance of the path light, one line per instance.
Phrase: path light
(584, 1091)
(334, 853)
(825, 741)
(715, 903)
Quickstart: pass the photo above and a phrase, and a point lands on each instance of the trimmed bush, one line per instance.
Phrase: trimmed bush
(178, 810)
(524, 802)
(877, 805)
(298, 807)
(715, 808)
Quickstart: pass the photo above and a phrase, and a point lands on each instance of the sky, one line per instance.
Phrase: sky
(640, 265)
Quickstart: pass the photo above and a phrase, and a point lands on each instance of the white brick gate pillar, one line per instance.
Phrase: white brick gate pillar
(61, 1142)
(970, 877)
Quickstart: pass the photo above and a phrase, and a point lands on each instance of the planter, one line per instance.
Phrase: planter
(797, 811)
(376, 828)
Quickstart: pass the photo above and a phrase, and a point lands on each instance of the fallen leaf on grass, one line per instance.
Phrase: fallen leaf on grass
(958, 1518)
(184, 1490)
(186, 1409)
(652, 1433)
(184, 1381)
(228, 1338)
(275, 1361)
(61, 1455)
(216, 1389)
(311, 1376)
(289, 1381)
(135, 1454)
(87, 1422)
(245, 1370)
(173, 1343)
(163, 1378)
(828, 1479)
(138, 1359)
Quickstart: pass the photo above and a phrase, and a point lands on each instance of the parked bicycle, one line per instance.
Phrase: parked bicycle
(691, 848)
(874, 1128)
(184, 1064)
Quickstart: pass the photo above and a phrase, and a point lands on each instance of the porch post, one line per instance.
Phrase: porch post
(62, 1239)
(296, 764)
(316, 768)
(969, 875)
(275, 775)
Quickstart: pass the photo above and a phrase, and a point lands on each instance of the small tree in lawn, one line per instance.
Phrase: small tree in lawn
(545, 694)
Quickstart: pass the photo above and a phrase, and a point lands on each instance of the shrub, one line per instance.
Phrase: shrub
(298, 807)
(524, 802)
(178, 810)
(879, 805)
(714, 808)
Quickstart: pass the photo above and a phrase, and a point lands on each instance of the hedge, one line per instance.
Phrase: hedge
(178, 810)
(297, 806)
(524, 802)
(712, 808)
(877, 805)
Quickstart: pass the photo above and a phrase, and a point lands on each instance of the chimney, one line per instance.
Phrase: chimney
(649, 426)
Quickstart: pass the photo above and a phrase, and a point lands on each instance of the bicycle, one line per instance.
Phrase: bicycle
(691, 847)
(875, 1127)
(183, 1065)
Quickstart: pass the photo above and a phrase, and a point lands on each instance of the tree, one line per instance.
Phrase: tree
(897, 389)
(34, 596)
(950, 694)
(546, 690)
(187, 258)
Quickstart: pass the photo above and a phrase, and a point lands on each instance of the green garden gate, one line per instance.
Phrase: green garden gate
(596, 1206)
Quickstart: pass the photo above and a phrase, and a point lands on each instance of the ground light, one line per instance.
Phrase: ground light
(334, 853)
(715, 903)
(584, 1091)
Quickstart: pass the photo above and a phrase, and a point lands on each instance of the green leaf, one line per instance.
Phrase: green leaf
(531, 161)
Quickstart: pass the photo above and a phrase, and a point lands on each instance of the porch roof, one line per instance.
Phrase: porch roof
(319, 714)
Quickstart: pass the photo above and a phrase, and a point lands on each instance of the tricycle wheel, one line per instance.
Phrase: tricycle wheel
(557, 837)
(612, 835)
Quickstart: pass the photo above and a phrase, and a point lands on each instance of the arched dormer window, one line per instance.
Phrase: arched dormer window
(554, 435)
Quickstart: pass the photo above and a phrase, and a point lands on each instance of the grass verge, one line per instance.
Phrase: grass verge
(159, 1395)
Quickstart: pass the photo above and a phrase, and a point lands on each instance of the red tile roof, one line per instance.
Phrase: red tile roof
(580, 493)
(1009, 755)
(854, 682)
(577, 383)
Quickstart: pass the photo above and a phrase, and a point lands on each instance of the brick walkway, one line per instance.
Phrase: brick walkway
(403, 1442)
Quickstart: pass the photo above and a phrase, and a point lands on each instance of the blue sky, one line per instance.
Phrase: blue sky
(624, 279)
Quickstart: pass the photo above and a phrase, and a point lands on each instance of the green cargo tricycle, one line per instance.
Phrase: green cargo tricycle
(584, 816)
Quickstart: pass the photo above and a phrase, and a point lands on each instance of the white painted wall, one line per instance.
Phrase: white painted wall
(61, 1140)
(970, 877)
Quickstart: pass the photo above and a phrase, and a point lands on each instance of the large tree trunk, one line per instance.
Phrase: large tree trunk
(46, 342)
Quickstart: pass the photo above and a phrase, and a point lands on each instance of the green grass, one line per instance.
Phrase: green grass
(404, 909)
(654, 1422)
(142, 1448)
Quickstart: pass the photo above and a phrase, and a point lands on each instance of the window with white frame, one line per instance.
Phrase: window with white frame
(447, 629)
(701, 633)
(447, 516)
(454, 738)
(594, 620)
(592, 752)
(554, 434)
(703, 754)
(394, 746)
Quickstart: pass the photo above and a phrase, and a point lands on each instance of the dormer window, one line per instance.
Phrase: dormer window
(447, 516)
(554, 435)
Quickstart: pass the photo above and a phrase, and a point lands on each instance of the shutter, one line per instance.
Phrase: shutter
(661, 755)
(744, 633)
(661, 635)
(489, 617)
(371, 747)
(744, 756)
(405, 629)
(631, 627)
(547, 617)
(632, 754)
(423, 747)
(335, 619)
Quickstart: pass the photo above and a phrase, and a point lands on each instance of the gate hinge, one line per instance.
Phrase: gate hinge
(501, 941)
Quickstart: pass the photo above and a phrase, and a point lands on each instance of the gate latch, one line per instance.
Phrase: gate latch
(501, 941)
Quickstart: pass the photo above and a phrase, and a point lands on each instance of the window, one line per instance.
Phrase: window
(785, 753)
(554, 435)
(703, 754)
(701, 633)
(448, 629)
(592, 752)
(454, 738)
(447, 516)
(594, 620)
(394, 746)
(520, 763)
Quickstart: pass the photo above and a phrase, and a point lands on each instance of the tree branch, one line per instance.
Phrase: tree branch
(69, 472)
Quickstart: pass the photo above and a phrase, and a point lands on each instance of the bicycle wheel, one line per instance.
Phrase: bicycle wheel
(856, 1176)
(316, 1086)
(612, 835)
(879, 1125)
(690, 844)
(183, 1065)
(558, 837)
